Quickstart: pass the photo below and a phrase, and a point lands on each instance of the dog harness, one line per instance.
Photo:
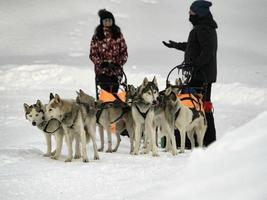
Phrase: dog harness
(141, 113)
(47, 125)
(106, 105)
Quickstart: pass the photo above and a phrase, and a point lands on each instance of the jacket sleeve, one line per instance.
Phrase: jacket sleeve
(181, 46)
(208, 47)
(123, 52)
(94, 54)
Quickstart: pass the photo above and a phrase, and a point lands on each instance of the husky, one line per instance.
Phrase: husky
(75, 124)
(143, 113)
(165, 117)
(106, 115)
(189, 122)
(36, 114)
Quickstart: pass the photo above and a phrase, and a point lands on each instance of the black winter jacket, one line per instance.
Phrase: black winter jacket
(201, 50)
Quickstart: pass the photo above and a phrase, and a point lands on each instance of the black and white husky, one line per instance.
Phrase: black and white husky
(36, 114)
(143, 113)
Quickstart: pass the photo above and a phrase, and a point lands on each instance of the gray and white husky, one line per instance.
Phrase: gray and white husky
(36, 114)
(143, 113)
(165, 117)
(105, 116)
(76, 124)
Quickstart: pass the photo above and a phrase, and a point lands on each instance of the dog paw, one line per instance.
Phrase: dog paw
(114, 150)
(54, 157)
(135, 153)
(85, 160)
(77, 156)
(109, 151)
(155, 154)
(68, 160)
(96, 157)
(100, 150)
(181, 151)
(174, 153)
(47, 154)
(53, 153)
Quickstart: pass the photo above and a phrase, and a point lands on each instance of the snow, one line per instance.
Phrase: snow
(44, 48)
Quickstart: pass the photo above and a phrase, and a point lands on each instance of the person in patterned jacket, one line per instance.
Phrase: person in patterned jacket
(108, 52)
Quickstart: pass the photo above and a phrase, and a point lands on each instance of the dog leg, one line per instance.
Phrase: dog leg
(191, 137)
(92, 131)
(83, 138)
(77, 154)
(69, 144)
(137, 133)
(182, 136)
(170, 132)
(150, 131)
(108, 128)
(48, 144)
(131, 135)
(59, 141)
(101, 133)
(200, 134)
(153, 142)
(147, 144)
(118, 141)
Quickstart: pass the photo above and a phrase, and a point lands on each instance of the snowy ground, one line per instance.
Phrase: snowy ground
(45, 50)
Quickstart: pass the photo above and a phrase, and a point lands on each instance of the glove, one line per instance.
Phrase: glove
(171, 44)
(176, 45)
(104, 65)
(113, 65)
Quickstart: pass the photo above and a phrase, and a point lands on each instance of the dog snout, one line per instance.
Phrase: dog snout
(34, 123)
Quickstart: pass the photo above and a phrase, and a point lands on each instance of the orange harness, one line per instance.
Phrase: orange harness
(105, 96)
(191, 101)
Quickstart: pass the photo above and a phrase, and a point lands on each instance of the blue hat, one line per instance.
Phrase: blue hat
(201, 7)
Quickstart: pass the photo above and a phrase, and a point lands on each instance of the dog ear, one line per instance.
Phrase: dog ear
(57, 99)
(168, 91)
(155, 81)
(39, 103)
(81, 91)
(132, 90)
(26, 107)
(178, 81)
(145, 81)
(51, 96)
(77, 93)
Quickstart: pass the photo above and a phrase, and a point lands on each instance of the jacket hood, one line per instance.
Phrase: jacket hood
(209, 21)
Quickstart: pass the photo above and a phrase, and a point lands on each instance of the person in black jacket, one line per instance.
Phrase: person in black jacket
(200, 56)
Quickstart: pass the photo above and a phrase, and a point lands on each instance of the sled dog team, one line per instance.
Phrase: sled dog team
(147, 110)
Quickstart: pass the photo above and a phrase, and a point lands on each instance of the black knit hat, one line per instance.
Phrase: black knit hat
(201, 7)
(104, 14)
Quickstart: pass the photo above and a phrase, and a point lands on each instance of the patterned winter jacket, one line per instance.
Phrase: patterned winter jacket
(108, 49)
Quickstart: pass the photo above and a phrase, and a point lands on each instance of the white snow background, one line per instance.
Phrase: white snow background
(44, 48)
